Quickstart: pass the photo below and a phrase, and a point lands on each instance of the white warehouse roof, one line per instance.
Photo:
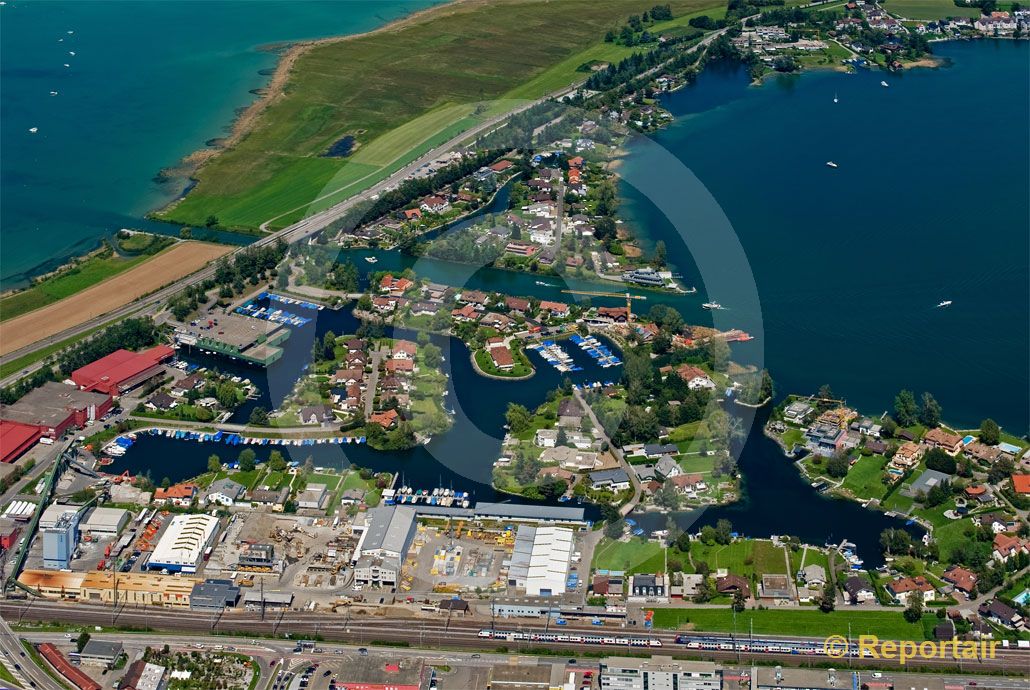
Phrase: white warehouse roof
(549, 561)
(106, 520)
(184, 541)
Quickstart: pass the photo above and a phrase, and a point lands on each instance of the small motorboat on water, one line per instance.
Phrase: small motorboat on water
(542, 283)
(33, 130)
(944, 303)
(712, 306)
(884, 84)
(835, 98)
(831, 164)
(371, 259)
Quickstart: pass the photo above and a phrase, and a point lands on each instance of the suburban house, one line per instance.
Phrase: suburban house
(501, 358)
(517, 304)
(394, 286)
(649, 587)
(316, 414)
(570, 413)
(960, 578)
(1002, 613)
(859, 590)
(797, 412)
(825, 439)
(434, 204)
(614, 480)
(731, 584)
(181, 495)
(946, 441)
(688, 483)
(654, 451)
(695, 378)
(903, 587)
(907, 455)
(667, 468)
(404, 349)
(223, 492)
(546, 438)
(814, 574)
(571, 458)
(1007, 546)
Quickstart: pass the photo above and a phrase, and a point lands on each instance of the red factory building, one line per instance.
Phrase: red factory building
(49, 411)
(122, 370)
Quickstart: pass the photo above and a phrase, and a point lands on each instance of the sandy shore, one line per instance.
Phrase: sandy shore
(164, 268)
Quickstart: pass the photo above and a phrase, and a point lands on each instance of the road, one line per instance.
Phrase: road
(616, 452)
(439, 633)
(21, 666)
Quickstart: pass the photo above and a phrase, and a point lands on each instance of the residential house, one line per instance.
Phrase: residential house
(614, 480)
(434, 204)
(859, 590)
(394, 286)
(517, 304)
(731, 584)
(400, 366)
(570, 413)
(825, 439)
(161, 402)
(907, 455)
(348, 377)
(1002, 613)
(223, 492)
(498, 322)
(546, 438)
(688, 483)
(649, 587)
(386, 419)
(181, 495)
(384, 305)
(474, 297)
(961, 579)
(981, 452)
(695, 378)
(654, 451)
(558, 309)
(316, 414)
(1007, 546)
(667, 468)
(501, 358)
(902, 588)
(465, 313)
(276, 500)
(813, 574)
(185, 385)
(403, 349)
(571, 458)
(946, 441)
(797, 411)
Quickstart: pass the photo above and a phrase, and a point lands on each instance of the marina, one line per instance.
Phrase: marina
(554, 355)
(593, 347)
(274, 315)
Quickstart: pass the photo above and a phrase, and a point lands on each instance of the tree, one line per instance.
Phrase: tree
(724, 531)
(247, 460)
(914, 611)
(82, 640)
(431, 355)
(615, 528)
(739, 601)
(905, 409)
(990, 432)
(259, 416)
(937, 459)
(826, 393)
(838, 465)
(214, 463)
(930, 412)
(828, 600)
(518, 417)
(895, 541)
(276, 461)
(667, 496)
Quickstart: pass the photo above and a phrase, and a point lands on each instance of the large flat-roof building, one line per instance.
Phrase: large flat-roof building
(122, 370)
(540, 560)
(53, 408)
(183, 543)
(389, 532)
(16, 438)
(104, 521)
(150, 589)
(658, 673)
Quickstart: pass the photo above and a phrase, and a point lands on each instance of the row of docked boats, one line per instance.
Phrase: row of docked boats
(554, 355)
(273, 315)
(233, 439)
(290, 300)
(593, 347)
(437, 497)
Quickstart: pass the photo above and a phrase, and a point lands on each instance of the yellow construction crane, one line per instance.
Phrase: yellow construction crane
(629, 298)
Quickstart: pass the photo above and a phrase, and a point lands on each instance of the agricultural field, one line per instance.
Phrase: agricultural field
(928, 9)
(150, 274)
(370, 86)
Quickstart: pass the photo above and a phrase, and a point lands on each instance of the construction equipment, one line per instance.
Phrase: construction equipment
(628, 297)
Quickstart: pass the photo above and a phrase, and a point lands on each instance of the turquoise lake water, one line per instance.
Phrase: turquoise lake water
(149, 83)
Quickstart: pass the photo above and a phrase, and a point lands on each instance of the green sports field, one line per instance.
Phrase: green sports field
(429, 74)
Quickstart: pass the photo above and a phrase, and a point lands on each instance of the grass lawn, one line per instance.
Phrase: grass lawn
(522, 367)
(634, 556)
(86, 274)
(331, 481)
(769, 559)
(697, 464)
(928, 9)
(370, 86)
(950, 536)
(884, 624)
(803, 557)
(793, 437)
(735, 556)
(864, 477)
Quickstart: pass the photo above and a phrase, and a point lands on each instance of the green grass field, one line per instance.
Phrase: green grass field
(928, 9)
(734, 556)
(86, 274)
(634, 556)
(864, 477)
(883, 624)
(369, 87)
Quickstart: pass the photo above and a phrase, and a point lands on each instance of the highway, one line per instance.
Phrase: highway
(19, 663)
(440, 633)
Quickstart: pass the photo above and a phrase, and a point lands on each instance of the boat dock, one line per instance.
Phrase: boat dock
(554, 355)
(593, 347)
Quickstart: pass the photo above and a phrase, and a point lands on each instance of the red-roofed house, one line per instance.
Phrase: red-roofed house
(122, 370)
(394, 286)
(576, 162)
(501, 166)
(404, 349)
(555, 308)
(466, 313)
(1021, 483)
(385, 419)
(939, 438)
(501, 357)
(400, 366)
(962, 579)
(695, 378)
(177, 494)
(16, 438)
(901, 588)
(412, 214)
(1006, 546)
(686, 483)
